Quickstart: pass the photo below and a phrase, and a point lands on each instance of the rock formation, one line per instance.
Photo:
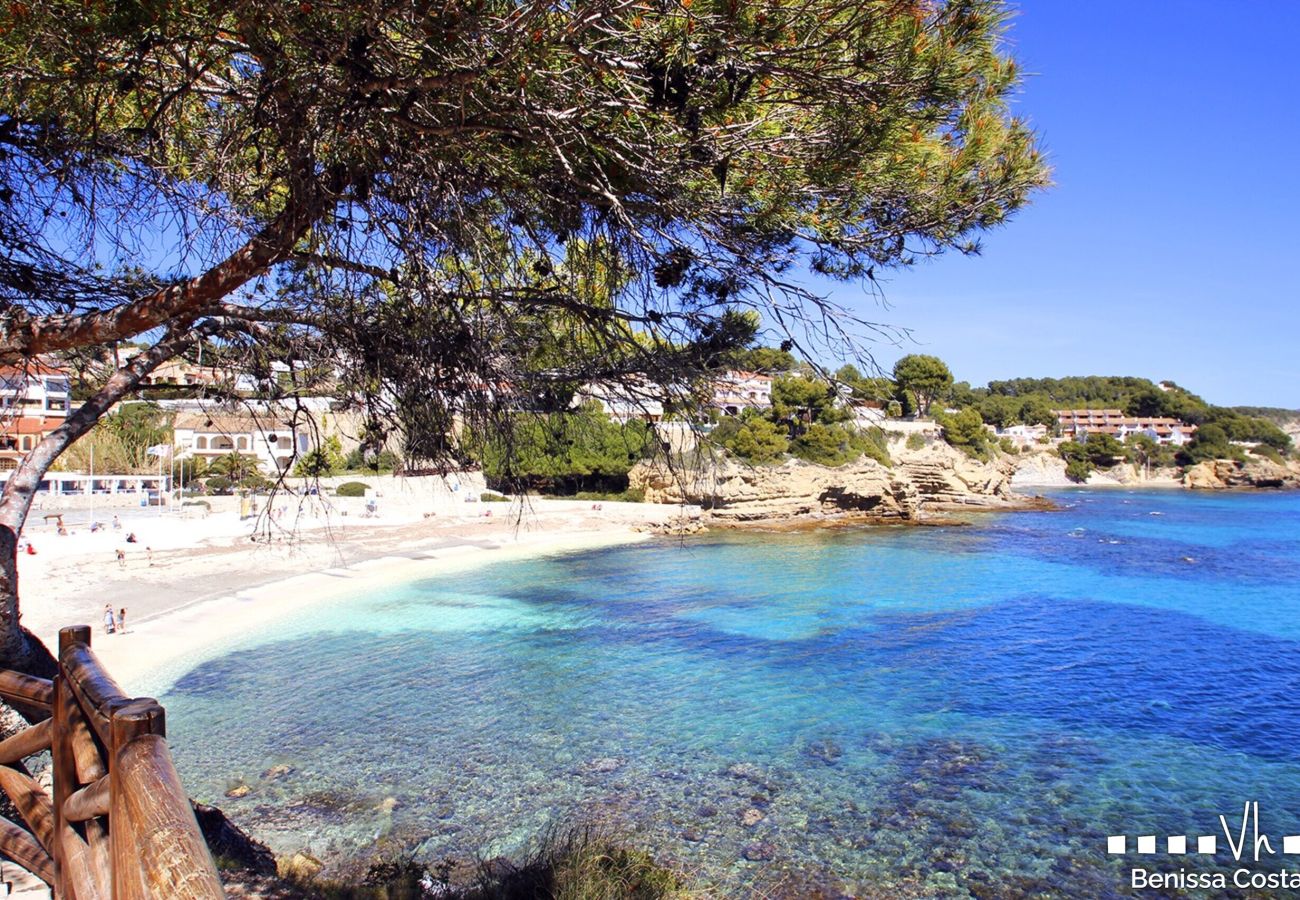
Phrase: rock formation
(935, 478)
(1223, 474)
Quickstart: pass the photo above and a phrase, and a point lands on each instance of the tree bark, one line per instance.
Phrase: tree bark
(19, 648)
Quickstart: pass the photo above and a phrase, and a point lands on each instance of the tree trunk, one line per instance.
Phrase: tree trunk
(19, 648)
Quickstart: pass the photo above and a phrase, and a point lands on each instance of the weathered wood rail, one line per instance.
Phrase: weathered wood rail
(119, 826)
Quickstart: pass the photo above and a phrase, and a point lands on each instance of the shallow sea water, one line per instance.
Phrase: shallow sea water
(885, 712)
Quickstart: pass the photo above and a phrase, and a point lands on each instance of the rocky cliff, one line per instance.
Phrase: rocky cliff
(1046, 469)
(1224, 474)
(936, 478)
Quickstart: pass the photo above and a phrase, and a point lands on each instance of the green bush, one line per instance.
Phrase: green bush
(358, 460)
(754, 439)
(1269, 453)
(205, 504)
(915, 441)
(351, 489)
(836, 445)
(491, 497)
(1078, 470)
(217, 484)
(631, 495)
(564, 864)
(325, 460)
(965, 431)
(1007, 445)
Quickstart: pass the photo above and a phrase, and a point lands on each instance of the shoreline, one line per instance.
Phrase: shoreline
(205, 588)
(197, 590)
(189, 635)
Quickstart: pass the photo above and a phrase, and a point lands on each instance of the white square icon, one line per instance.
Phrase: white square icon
(1116, 844)
(1147, 843)
(1291, 843)
(1207, 843)
(1177, 843)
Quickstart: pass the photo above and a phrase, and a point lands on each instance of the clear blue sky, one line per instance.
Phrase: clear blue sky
(1168, 247)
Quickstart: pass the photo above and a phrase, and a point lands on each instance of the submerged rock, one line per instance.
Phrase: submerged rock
(604, 764)
(759, 851)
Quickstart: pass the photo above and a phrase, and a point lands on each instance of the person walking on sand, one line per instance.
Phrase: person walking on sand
(121, 560)
(121, 621)
(108, 619)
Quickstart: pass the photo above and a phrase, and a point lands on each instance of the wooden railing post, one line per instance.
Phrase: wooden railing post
(135, 719)
(64, 763)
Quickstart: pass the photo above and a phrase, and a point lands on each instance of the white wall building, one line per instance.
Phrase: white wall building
(274, 443)
(623, 403)
(736, 391)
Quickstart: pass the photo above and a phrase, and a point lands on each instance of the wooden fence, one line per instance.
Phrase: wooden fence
(119, 826)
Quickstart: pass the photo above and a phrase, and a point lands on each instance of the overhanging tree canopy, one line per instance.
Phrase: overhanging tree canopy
(476, 199)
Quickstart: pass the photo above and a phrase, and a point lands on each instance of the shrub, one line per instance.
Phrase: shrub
(324, 460)
(360, 460)
(352, 489)
(755, 440)
(1078, 470)
(1007, 445)
(965, 431)
(1269, 453)
(915, 441)
(217, 484)
(493, 497)
(631, 495)
(894, 409)
(572, 864)
(205, 504)
(835, 445)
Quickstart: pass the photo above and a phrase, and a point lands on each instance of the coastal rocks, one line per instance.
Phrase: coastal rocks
(277, 772)
(759, 851)
(238, 792)
(751, 817)
(676, 526)
(736, 494)
(1225, 474)
(733, 494)
(229, 842)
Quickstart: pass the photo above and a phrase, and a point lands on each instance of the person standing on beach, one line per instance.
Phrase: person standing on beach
(108, 619)
(121, 621)
(121, 560)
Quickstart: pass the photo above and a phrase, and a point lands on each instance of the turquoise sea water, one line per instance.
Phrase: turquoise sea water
(911, 711)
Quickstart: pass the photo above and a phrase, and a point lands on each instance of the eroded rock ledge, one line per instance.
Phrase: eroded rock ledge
(1225, 474)
(936, 479)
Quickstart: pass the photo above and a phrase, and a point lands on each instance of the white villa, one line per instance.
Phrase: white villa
(623, 403)
(736, 391)
(267, 438)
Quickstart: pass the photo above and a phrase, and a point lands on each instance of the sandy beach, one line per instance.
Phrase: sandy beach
(193, 587)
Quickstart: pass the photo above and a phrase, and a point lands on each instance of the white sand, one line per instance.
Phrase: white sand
(210, 586)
